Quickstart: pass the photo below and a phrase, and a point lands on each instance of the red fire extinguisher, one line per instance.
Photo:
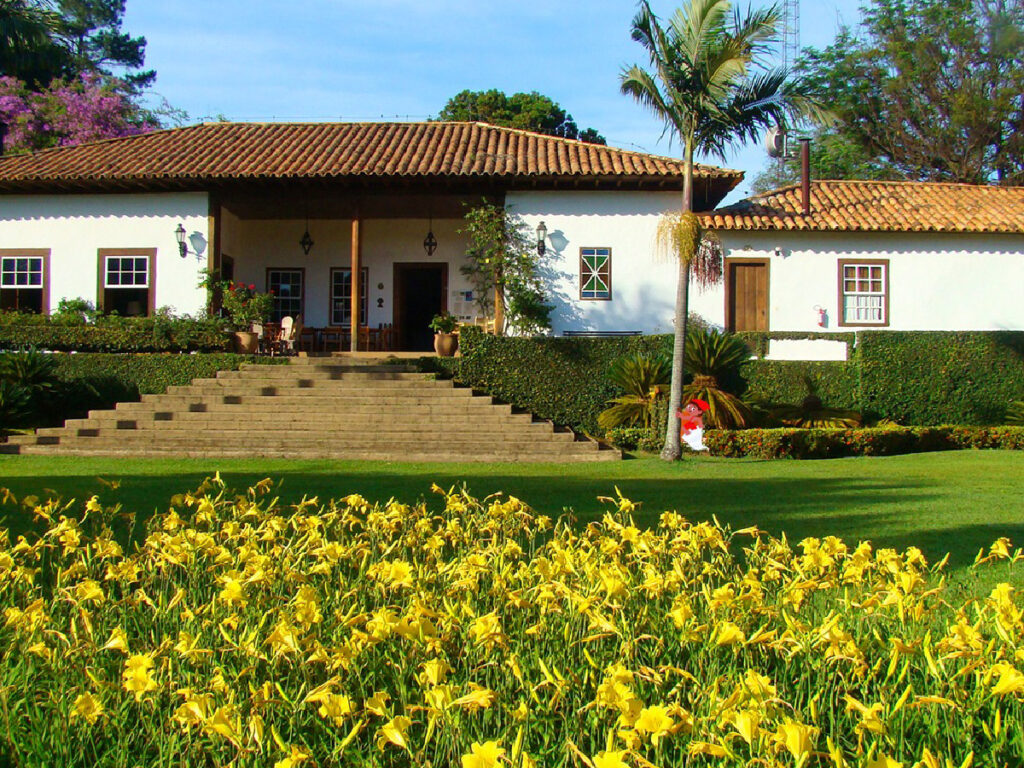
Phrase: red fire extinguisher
(822, 316)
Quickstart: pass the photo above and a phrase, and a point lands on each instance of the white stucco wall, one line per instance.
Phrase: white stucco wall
(643, 286)
(75, 227)
(937, 281)
(272, 243)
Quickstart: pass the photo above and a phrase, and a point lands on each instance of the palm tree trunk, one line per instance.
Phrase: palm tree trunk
(672, 449)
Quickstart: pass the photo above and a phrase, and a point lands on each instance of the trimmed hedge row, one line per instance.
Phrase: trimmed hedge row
(784, 381)
(836, 443)
(926, 377)
(562, 379)
(911, 377)
(113, 334)
(95, 381)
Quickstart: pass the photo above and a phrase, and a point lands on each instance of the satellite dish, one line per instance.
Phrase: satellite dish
(775, 142)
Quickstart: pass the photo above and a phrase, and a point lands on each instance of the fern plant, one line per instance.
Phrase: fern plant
(643, 379)
(711, 356)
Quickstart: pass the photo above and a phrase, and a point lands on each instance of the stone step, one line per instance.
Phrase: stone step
(130, 439)
(412, 456)
(169, 429)
(344, 373)
(323, 384)
(317, 408)
(223, 419)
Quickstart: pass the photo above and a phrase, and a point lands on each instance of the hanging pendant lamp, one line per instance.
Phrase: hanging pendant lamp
(306, 241)
(430, 242)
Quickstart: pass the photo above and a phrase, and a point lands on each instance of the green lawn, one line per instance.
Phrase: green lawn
(955, 501)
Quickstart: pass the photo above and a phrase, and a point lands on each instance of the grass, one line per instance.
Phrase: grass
(953, 502)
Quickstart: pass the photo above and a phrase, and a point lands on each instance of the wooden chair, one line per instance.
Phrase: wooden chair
(306, 339)
(332, 336)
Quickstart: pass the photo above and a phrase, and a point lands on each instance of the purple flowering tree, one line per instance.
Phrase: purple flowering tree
(67, 113)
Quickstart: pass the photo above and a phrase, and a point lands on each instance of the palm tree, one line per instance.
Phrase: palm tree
(710, 85)
(28, 47)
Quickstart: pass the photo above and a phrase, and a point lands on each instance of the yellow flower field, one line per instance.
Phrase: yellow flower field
(476, 633)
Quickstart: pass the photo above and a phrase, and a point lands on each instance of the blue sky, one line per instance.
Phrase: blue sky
(402, 59)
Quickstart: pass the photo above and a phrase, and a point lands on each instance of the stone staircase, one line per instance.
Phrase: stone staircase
(317, 408)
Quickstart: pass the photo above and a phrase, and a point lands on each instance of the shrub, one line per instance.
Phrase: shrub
(1015, 413)
(561, 379)
(15, 405)
(565, 379)
(788, 443)
(243, 633)
(644, 379)
(940, 377)
(110, 333)
(711, 357)
(636, 439)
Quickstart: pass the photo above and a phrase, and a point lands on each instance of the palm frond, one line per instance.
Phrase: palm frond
(725, 411)
(626, 410)
(712, 353)
(697, 26)
(1015, 413)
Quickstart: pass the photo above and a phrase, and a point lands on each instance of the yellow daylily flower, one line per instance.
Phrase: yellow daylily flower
(87, 707)
(484, 755)
(394, 732)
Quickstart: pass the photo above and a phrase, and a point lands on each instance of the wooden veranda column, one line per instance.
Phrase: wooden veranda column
(354, 314)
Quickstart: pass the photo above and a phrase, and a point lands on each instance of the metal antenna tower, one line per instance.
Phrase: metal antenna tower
(790, 32)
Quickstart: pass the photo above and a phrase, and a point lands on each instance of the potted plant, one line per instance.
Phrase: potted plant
(245, 306)
(445, 340)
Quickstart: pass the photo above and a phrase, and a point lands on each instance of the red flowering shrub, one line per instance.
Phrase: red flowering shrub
(879, 441)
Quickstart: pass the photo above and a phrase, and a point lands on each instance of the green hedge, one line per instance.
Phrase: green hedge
(926, 377)
(917, 378)
(557, 378)
(835, 443)
(95, 381)
(113, 334)
(783, 381)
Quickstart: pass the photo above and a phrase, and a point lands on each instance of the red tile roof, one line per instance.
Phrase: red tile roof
(879, 206)
(225, 152)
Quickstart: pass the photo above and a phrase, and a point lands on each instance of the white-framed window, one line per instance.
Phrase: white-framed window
(341, 295)
(127, 281)
(288, 287)
(864, 292)
(595, 274)
(23, 281)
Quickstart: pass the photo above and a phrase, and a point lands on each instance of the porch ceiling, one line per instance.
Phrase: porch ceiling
(323, 203)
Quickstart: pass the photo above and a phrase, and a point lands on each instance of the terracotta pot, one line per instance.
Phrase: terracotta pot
(445, 344)
(246, 342)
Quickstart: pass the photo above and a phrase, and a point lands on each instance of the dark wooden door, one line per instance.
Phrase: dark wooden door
(747, 295)
(421, 291)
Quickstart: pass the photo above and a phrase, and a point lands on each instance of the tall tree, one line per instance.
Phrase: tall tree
(525, 111)
(91, 31)
(29, 50)
(711, 86)
(931, 90)
(66, 113)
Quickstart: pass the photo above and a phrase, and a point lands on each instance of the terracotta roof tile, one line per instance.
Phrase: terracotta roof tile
(220, 152)
(882, 206)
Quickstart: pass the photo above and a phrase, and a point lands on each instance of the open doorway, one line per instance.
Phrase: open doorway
(421, 291)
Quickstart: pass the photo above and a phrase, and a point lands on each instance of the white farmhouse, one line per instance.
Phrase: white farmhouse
(102, 221)
(300, 208)
(864, 255)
